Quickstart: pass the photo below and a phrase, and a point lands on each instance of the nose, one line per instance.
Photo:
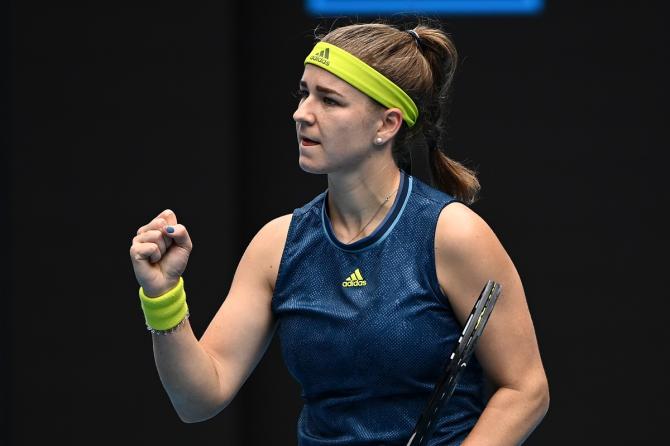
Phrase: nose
(302, 114)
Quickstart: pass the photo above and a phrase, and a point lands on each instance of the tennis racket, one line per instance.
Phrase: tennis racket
(459, 358)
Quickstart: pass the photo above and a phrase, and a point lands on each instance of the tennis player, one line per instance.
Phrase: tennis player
(369, 284)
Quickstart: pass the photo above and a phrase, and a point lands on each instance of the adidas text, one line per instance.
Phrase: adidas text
(320, 59)
(347, 283)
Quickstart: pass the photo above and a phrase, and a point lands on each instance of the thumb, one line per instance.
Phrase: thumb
(179, 236)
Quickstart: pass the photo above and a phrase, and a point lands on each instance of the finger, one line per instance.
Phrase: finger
(180, 237)
(145, 252)
(167, 217)
(156, 223)
(154, 236)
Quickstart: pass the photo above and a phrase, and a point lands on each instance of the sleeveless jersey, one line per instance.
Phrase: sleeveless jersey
(365, 329)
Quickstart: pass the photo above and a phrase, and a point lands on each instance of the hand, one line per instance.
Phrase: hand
(160, 257)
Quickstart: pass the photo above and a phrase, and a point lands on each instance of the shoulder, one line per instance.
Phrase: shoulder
(277, 226)
(467, 252)
(459, 228)
(272, 236)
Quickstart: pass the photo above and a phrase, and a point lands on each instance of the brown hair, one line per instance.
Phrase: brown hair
(424, 69)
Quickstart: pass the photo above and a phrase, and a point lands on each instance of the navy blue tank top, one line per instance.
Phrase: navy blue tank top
(365, 329)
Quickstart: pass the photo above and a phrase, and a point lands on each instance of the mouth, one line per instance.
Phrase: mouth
(307, 141)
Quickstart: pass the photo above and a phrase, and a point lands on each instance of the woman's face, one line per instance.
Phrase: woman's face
(335, 123)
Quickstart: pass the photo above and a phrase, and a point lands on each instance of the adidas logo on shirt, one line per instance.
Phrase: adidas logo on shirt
(356, 278)
(322, 57)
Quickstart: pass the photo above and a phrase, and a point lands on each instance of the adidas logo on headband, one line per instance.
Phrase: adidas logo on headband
(322, 56)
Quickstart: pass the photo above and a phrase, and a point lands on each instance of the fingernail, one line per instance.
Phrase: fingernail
(170, 229)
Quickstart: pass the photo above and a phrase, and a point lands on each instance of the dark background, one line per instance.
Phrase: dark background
(120, 112)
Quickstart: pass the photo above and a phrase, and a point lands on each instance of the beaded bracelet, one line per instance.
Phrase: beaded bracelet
(170, 330)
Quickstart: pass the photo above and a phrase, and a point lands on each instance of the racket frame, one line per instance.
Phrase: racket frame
(445, 386)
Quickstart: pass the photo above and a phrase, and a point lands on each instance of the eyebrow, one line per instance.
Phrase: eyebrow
(321, 89)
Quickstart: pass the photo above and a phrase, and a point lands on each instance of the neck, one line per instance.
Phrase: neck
(354, 197)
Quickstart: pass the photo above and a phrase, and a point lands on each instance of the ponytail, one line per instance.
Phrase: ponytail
(453, 177)
(448, 175)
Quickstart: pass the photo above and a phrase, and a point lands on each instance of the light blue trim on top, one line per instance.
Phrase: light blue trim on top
(388, 231)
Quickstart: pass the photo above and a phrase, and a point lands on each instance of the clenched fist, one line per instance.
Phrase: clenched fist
(159, 257)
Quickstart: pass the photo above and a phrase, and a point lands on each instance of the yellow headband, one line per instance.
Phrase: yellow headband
(362, 76)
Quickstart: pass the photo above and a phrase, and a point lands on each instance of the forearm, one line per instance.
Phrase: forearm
(509, 417)
(189, 375)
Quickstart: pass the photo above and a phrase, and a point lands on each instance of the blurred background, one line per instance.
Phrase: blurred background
(113, 113)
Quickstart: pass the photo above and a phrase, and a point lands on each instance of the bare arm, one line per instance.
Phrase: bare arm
(202, 377)
(189, 375)
(467, 255)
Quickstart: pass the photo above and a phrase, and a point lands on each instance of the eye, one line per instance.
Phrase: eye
(329, 101)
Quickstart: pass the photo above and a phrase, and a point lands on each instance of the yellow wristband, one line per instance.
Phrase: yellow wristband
(167, 310)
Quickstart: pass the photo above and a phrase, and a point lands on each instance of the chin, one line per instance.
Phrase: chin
(309, 167)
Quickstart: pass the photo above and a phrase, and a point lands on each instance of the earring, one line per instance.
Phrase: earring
(378, 140)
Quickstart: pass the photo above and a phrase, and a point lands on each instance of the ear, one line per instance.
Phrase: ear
(390, 123)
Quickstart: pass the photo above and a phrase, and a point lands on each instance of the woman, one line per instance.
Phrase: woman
(369, 283)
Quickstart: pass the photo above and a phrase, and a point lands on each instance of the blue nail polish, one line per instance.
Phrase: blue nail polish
(170, 229)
